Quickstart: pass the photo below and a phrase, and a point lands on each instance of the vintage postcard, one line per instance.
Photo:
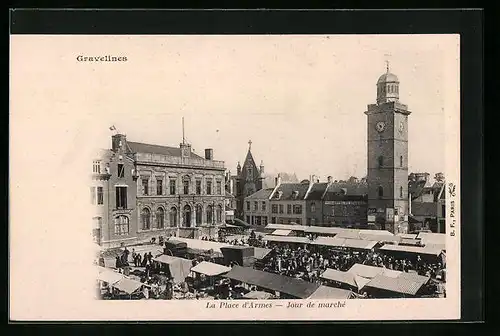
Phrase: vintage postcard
(238, 177)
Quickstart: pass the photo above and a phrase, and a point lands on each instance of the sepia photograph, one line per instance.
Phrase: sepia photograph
(257, 171)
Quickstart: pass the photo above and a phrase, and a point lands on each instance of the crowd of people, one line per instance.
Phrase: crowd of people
(309, 264)
(295, 260)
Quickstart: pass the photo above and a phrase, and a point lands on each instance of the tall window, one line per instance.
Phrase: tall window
(263, 206)
(281, 208)
(401, 161)
(288, 208)
(145, 186)
(313, 207)
(219, 214)
(255, 206)
(381, 161)
(249, 173)
(92, 195)
(146, 219)
(172, 187)
(121, 170)
(173, 217)
(187, 216)
(199, 214)
(121, 225)
(219, 188)
(159, 187)
(160, 218)
(209, 187)
(96, 168)
(198, 187)
(274, 209)
(185, 185)
(248, 206)
(121, 197)
(209, 214)
(401, 192)
(443, 210)
(100, 196)
(297, 209)
(380, 192)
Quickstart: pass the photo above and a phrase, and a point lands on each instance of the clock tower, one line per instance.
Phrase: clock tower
(388, 157)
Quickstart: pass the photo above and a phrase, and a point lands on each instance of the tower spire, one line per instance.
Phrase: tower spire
(387, 65)
(249, 145)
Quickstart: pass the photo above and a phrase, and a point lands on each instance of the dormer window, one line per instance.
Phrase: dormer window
(295, 194)
(279, 194)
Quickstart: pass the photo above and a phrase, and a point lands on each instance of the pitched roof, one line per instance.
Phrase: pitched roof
(138, 147)
(284, 284)
(261, 194)
(404, 284)
(339, 276)
(325, 292)
(353, 188)
(287, 191)
(317, 191)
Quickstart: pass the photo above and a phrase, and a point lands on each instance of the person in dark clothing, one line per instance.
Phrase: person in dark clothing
(118, 263)
(150, 257)
(144, 260)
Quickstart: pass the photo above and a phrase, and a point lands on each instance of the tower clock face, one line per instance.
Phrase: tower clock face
(380, 126)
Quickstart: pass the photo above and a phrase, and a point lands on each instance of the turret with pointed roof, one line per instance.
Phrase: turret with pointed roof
(249, 178)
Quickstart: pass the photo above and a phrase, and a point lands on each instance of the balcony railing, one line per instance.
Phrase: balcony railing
(181, 161)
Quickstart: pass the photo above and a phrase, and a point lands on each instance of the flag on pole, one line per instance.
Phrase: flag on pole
(112, 128)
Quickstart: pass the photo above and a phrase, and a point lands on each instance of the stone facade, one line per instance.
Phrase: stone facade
(388, 157)
(154, 191)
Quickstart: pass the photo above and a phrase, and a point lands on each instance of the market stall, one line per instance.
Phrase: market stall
(284, 286)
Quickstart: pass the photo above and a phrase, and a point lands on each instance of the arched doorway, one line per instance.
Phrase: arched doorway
(187, 216)
(209, 214)
(160, 218)
(146, 219)
(219, 214)
(199, 214)
(173, 217)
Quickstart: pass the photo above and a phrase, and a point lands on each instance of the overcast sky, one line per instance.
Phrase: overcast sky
(300, 99)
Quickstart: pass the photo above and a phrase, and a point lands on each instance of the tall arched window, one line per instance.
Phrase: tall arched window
(401, 161)
(187, 216)
(199, 214)
(389, 87)
(121, 225)
(380, 161)
(380, 191)
(209, 214)
(401, 192)
(160, 218)
(219, 214)
(146, 219)
(173, 217)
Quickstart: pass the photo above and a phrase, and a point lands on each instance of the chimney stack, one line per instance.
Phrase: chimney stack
(277, 180)
(209, 154)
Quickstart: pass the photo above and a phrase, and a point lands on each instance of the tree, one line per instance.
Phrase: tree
(439, 177)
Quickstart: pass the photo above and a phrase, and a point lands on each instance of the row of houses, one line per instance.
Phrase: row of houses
(343, 204)
(309, 202)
